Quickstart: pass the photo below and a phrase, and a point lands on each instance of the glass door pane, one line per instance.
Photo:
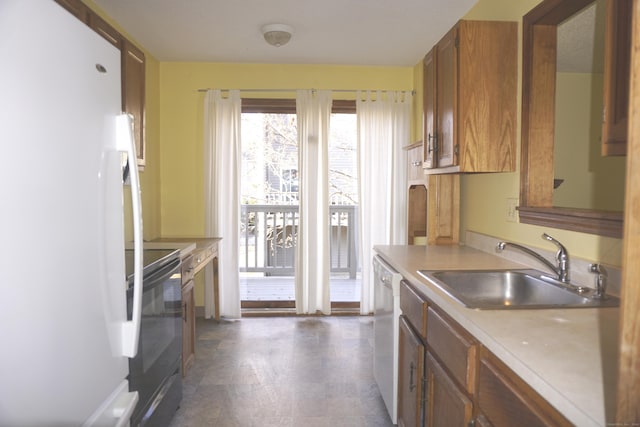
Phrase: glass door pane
(343, 200)
(269, 210)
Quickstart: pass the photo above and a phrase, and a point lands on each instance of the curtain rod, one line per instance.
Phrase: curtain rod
(413, 92)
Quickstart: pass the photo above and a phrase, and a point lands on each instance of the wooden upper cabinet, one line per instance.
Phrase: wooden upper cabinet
(443, 212)
(616, 77)
(429, 110)
(446, 102)
(133, 94)
(103, 28)
(76, 8)
(475, 93)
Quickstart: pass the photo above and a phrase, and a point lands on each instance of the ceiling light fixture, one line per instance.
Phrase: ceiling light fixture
(277, 34)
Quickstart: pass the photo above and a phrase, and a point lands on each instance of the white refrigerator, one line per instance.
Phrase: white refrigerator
(64, 332)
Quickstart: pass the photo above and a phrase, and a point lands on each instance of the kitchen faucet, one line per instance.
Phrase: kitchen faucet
(601, 280)
(562, 257)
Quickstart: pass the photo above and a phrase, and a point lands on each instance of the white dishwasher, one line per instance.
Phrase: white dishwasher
(385, 328)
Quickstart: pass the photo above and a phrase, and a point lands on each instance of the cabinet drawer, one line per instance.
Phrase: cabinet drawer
(454, 347)
(414, 307)
(505, 400)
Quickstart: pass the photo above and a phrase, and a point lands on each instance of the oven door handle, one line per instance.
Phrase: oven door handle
(125, 143)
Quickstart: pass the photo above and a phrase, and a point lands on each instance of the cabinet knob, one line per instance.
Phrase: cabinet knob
(416, 164)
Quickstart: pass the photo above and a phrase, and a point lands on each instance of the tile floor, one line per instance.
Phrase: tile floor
(283, 371)
(282, 288)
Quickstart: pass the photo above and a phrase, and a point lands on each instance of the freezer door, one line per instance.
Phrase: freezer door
(61, 225)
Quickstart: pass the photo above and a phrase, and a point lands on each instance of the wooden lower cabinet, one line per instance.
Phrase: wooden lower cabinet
(188, 326)
(188, 315)
(446, 404)
(448, 379)
(505, 400)
(410, 376)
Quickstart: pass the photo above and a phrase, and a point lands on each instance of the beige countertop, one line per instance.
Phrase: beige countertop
(569, 356)
(202, 248)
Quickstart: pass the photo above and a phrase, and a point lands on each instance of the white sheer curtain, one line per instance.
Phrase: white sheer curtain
(313, 110)
(222, 154)
(383, 130)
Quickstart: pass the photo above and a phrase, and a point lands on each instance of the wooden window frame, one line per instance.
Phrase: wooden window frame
(537, 137)
(288, 106)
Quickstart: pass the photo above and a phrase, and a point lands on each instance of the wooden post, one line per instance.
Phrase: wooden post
(628, 399)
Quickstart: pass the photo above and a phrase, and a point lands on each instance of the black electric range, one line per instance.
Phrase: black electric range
(152, 260)
(155, 371)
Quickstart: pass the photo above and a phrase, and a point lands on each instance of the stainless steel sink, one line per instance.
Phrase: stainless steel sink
(513, 289)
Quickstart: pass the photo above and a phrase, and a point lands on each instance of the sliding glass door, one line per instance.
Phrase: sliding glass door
(269, 210)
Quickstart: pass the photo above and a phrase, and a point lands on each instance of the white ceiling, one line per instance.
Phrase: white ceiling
(348, 32)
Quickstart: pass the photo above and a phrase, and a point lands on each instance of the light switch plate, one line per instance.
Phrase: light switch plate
(512, 212)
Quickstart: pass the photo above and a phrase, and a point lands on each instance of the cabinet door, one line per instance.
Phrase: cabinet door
(616, 77)
(443, 215)
(133, 93)
(430, 145)
(447, 405)
(410, 377)
(505, 400)
(446, 114)
(188, 325)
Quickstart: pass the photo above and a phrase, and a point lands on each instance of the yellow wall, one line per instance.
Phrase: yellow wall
(483, 197)
(182, 122)
(592, 181)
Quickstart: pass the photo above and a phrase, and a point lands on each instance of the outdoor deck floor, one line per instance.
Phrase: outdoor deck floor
(281, 288)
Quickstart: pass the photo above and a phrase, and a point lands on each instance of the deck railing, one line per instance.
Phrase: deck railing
(269, 235)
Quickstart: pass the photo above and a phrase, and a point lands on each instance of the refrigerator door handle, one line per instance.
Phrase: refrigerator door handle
(126, 143)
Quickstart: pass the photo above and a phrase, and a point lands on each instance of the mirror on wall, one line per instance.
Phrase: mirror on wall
(583, 177)
(565, 181)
